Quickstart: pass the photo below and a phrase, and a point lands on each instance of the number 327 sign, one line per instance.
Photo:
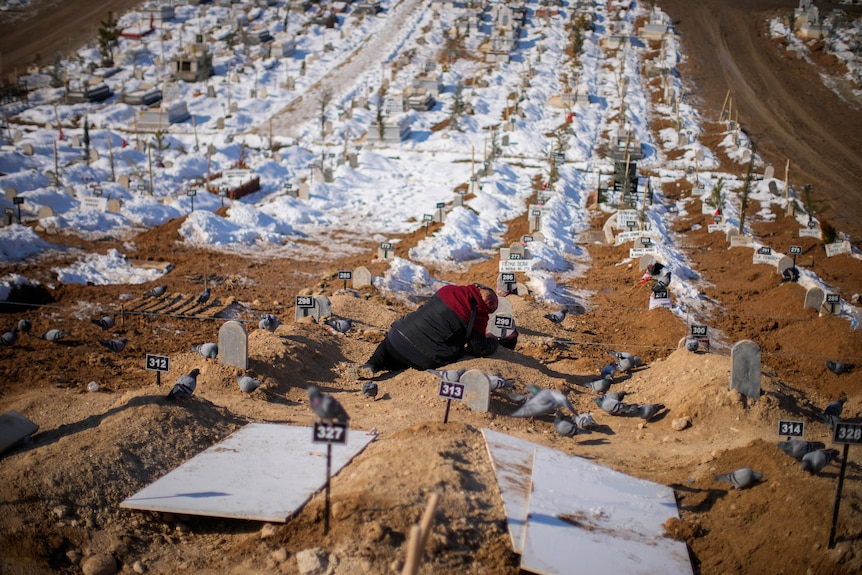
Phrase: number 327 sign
(329, 432)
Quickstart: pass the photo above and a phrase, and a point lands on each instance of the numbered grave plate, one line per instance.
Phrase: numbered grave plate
(451, 390)
(503, 321)
(833, 298)
(791, 428)
(507, 277)
(795, 250)
(345, 275)
(329, 432)
(847, 433)
(304, 301)
(661, 294)
(699, 331)
(158, 362)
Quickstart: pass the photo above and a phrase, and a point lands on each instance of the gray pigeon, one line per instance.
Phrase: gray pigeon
(55, 335)
(157, 291)
(557, 316)
(832, 413)
(24, 325)
(448, 375)
(500, 382)
(609, 370)
(618, 395)
(741, 478)
(598, 385)
(9, 337)
(543, 401)
(268, 322)
(185, 385)
(815, 461)
(208, 350)
(204, 296)
(326, 407)
(797, 448)
(247, 384)
(621, 355)
(838, 368)
(115, 345)
(584, 421)
(564, 426)
(626, 364)
(614, 406)
(647, 411)
(104, 322)
(339, 325)
(370, 389)
(691, 344)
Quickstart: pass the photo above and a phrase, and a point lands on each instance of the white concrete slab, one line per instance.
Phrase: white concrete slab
(13, 428)
(263, 472)
(512, 459)
(598, 519)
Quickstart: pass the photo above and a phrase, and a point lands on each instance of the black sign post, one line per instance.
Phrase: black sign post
(450, 391)
(192, 194)
(833, 299)
(795, 251)
(700, 333)
(791, 429)
(845, 433)
(158, 363)
(18, 200)
(440, 206)
(328, 433)
(345, 275)
(386, 247)
(537, 214)
(427, 218)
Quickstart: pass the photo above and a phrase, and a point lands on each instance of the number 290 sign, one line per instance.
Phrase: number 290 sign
(329, 432)
(451, 390)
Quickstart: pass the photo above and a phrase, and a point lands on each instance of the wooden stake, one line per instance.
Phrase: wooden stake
(419, 536)
(723, 106)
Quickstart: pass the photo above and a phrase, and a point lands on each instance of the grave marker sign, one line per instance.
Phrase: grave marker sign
(745, 369)
(361, 277)
(233, 344)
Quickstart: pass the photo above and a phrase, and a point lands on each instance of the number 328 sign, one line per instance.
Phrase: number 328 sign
(847, 433)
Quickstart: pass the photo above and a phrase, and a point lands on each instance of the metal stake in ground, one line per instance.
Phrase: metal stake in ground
(328, 433)
(845, 433)
(450, 391)
(345, 275)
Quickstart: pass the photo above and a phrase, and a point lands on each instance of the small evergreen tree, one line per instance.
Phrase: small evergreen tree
(746, 189)
(717, 198)
(109, 38)
(458, 106)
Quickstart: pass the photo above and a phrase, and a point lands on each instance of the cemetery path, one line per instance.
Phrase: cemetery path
(781, 100)
(341, 79)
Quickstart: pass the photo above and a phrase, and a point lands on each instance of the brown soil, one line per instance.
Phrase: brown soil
(62, 489)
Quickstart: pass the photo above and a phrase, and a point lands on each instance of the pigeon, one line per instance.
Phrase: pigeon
(564, 426)
(157, 291)
(838, 368)
(614, 406)
(25, 325)
(185, 385)
(104, 322)
(626, 364)
(620, 355)
(326, 407)
(115, 345)
(500, 382)
(247, 384)
(618, 395)
(584, 421)
(543, 401)
(448, 375)
(741, 478)
(557, 316)
(832, 413)
(55, 335)
(797, 448)
(369, 389)
(9, 337)
(647, 411)
(814, 461)
(691, 344)
(339, 325)
(268, 322)
(609, 370)
(204, 296)
(208, 350)
(598, 385)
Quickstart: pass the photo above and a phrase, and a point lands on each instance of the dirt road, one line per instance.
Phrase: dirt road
(782, 101)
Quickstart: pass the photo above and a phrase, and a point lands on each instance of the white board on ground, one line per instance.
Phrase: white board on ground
(263, 472)
(512, 459)
(599, 519)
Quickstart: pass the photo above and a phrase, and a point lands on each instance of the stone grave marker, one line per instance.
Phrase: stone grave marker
(538, 237)
(361, 277)
(211, 93)
(94, 155)
(220, 124)
(773, 187)
(17, 136)
(769, 172)
(645, 260)
(14, 427)
(27, 149)
(304, 191)
(113, 206)
(517, 248)
(45, 212)
(814, 298)
(233, 344)
(234, 107)
(477, 390)
(76, 141)
(505, 253)
(123, 180)
(501, 323)
(324, 307)
(784, 263)
(10, 193)
(745, 368)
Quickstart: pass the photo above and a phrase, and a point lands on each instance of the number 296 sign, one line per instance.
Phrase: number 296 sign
(451, 390)
(329, 432)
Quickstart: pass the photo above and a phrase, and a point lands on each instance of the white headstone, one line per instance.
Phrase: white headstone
(745, 369)
(233, 344)
(361, 277)
(814, 298)
(477, 390)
